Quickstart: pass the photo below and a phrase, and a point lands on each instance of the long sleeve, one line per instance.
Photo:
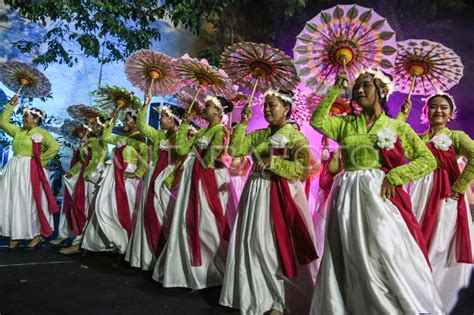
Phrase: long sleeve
(464, 147)
(297, 168)
(216, 147)
(99, 151)
(50, 147)
(183, 144)
(142, 164)
(147, 130)
(5, 124)
(422, 162)
(108, 136)
(320, 120)
(76, 168)
(241, 143)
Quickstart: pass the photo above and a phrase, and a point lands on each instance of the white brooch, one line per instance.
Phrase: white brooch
(37, 138)
(122, 142)
(325, 155)
(164, 144)
(442, 142)
(203, 142)
(278, 141)
(386, 138)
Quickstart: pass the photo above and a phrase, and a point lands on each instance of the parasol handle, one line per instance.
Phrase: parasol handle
(410, 91)
(344, 66)
(194, 99)
(151, 83)
(19, 90)
(253, 92)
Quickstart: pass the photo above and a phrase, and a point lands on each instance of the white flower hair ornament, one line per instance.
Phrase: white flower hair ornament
(37, 138)
(37, 112)
(377, 74)
(167, 110)
(424, 112)
(386, 138)
(442, 142)
(100, 123)
(284, 97)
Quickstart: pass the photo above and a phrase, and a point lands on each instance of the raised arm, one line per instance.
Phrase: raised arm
(146, 130)
(465, 147)
(321, 121)
(422, 162)
(5, 124)
(107, 135)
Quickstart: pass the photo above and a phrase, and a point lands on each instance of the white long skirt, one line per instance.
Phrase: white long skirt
(319, 221)
(64, 229)
(449, 275)
(176, 270)
(18, 215)
(371, 262)
(253, 279)
(138, 251)
(103, 232)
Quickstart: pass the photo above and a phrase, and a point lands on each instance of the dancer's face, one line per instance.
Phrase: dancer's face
(275, 110)
(210, 111)
(166, 121)
(129, 123)
(30, 122)
(365, 92)
(439, 111)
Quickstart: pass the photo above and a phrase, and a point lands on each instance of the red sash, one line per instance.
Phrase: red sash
(208, 177)
(38, 180)
(393, 158)
(153, 229)
(123, 210)
(78, 213)
(290, 230)
(326, 178)
(443, 178)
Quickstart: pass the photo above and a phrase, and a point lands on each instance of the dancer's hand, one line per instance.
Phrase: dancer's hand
(342, 79)
(246, 115)
(14, 100)
(147, 100)
(388, 190)
(130, 175)
(406, 107)
(262, 165)
(455, 195)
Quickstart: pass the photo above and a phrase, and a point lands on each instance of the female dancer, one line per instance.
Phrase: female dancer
(199, 234)
(375, 259)
(440, 204)
(28, 204)
(110, 226)
(81, 183)
(273, 223)
(159, 194)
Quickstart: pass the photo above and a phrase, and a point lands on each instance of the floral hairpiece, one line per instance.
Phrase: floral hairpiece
(97, 119)
(88, 128)
(282, 96)
(37, 112)
(424, 112)
(215, 100)
(381, 76)
(167, 110)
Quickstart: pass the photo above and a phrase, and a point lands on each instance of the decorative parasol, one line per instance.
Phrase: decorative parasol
(349, 37)
(148, 69)
(111, 99)
(259, 67)
(204, 77)
(25, 79)
(185, 97)
(424, 67)
(83, 113)
(340, 107)
(71, 129)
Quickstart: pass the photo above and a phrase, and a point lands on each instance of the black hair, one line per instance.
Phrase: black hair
(130, 113)
(227, 106)
(36, 116)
